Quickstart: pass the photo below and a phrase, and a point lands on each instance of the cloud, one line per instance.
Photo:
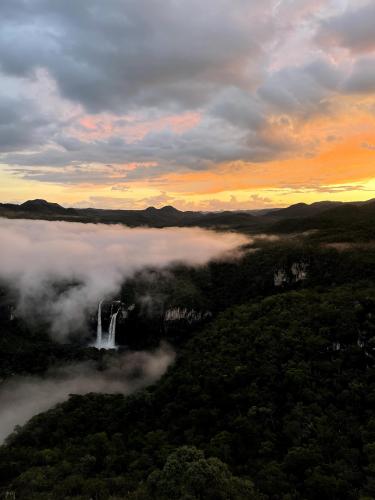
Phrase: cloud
(352, 29)
(231, 202)
(127, 203)
(362, 78)
(253, 202)
(214, 141)
(239, 108)
(21, 124)
(130, 92)
(319, 188)
(61, 269)
(302, 91)
(119, 62)
(120, 187)
(113, 56)
(23, 397)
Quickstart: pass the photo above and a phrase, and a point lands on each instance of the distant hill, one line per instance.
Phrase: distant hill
(167, 216)
(303, 210)
(358, 217)
(347, 221)
(43, 206)
(36, 207)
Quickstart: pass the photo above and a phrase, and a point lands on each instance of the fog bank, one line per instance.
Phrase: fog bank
(90, 261)
(23, 397)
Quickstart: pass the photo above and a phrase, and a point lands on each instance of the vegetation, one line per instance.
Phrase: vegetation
(280, 393)
(26, 348)
(271, 399)
(336, 221)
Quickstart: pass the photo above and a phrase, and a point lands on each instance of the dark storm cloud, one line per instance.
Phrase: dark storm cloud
(362, 77)
(121, 56)
(198, 150)
(237, 133)
(303, 90)
(131, 64)
(353, 29)
(116, 54)
(21, 124)
(239, 108)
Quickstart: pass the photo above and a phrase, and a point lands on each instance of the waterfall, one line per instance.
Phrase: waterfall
(109, 342)
(99, 331)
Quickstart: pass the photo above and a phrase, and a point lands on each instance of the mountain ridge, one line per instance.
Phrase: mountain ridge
(298, 217)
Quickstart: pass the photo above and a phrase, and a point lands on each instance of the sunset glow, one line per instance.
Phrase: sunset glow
(243, 106)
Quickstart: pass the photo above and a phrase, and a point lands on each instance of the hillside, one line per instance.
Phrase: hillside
(151, 216)
(342, 217)
(303, 210)
(279, 391)
(270, 397)
(347, 222)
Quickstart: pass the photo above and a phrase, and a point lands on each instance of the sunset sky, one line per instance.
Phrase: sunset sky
(200, 104)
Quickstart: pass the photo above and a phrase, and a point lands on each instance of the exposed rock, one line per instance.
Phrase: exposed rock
(296, 273)
(189, 315)
(280, 277)
(299, 271)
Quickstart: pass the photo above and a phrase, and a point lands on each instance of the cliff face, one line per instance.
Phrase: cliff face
(297, 272)
(7, 306)
(189, 315)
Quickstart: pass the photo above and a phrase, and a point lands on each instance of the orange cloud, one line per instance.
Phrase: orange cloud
(333, 149)
(131, 127)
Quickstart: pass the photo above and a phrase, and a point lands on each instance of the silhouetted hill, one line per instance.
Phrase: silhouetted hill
(36, 207)
(339, 218)
(235, 220)
(153, 217)
(303, 210)
(347, 221)
(41, 206)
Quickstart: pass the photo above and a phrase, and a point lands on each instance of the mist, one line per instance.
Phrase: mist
(60, 270)
(23, 397)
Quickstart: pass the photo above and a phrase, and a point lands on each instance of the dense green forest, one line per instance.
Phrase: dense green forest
(270, 397)
(279, 392)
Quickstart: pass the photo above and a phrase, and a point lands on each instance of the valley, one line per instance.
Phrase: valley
(258, 364)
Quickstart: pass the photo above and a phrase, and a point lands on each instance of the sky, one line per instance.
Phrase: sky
(200, 104)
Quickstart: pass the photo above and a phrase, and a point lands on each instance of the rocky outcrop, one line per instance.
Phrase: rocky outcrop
(189, 315)
(295, 273)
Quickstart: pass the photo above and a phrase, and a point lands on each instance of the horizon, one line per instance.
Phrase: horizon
(268, 105)
(187, 271)
(369, 200)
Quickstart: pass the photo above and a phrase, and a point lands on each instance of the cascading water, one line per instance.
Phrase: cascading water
(99, 331)
(109, 341)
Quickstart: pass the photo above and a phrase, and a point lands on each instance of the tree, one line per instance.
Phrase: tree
(187, 475)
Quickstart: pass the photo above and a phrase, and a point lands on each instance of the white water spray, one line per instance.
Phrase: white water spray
(107, 341)
(99, 331)
(111, 342)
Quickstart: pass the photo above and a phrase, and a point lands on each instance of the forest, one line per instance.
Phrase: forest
(271, 396)
(187, 250)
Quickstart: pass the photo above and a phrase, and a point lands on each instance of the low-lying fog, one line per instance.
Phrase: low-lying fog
(23, 397)
(60, 271)
(93, 259)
